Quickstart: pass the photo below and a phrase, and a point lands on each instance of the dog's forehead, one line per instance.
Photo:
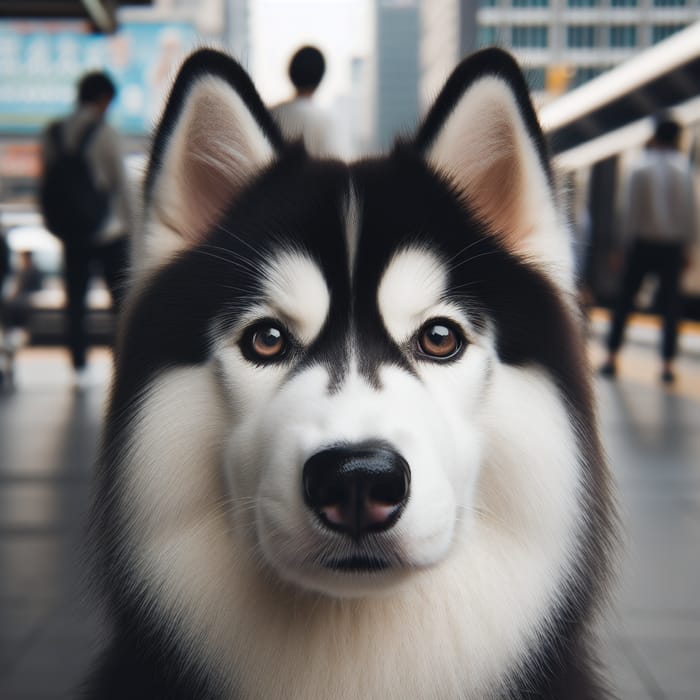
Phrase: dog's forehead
(389, 270)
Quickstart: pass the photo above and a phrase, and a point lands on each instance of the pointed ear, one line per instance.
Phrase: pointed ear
(214, 137)
(483, 136)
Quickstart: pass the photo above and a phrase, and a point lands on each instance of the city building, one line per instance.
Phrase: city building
(395, 83)
(565, 43)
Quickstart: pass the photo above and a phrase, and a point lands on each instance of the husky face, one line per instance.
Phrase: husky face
(347, 384)
(346, 390)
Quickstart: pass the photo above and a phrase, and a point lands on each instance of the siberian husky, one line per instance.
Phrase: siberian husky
(351, 451)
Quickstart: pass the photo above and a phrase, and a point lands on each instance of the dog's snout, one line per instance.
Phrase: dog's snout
(357, 489)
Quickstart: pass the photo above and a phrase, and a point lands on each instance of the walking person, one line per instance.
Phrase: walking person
(659, 221)
(86, 202)
(300, 117)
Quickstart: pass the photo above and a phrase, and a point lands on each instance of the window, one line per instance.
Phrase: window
(669, 3)
(535, 78)
(530, 3)
(486, 36)
(580, 37)
(623, 3)
(624, 36)
(582, 3)
(533, 36)
(660, 31)
(585, 73)
(488, 3)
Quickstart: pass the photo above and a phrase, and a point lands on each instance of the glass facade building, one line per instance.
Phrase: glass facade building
(577, 38)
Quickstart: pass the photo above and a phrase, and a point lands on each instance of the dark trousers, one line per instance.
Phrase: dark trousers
(666, 261)
(113, 259)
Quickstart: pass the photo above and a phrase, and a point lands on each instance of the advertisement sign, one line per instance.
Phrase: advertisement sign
(40, 63)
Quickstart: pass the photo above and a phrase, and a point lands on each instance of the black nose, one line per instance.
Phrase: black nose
(357, 489)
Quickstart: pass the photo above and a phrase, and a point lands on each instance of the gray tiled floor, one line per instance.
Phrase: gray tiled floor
(48, 438)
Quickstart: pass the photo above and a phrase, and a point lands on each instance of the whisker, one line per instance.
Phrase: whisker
(252, 264)
(229, 258)
(235, 236)
(473, 258)
(463, 250)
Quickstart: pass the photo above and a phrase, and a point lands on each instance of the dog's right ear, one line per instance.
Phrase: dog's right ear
(214, 137)
(483, 137)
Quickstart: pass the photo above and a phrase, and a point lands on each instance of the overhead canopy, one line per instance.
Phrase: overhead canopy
(99, 12)
(666, 75)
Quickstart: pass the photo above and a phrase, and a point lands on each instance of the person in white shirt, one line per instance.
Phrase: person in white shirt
(300, 118)
(658, 219)
(110, 244)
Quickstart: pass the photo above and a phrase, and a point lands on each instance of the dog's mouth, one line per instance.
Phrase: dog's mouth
(357, 564)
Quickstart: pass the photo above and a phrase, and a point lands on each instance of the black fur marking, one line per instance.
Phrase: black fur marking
(358, 564)
(141, 665)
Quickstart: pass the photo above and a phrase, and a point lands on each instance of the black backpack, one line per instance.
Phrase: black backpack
(72, 204)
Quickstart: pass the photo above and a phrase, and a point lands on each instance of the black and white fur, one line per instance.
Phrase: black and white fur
(220, 581)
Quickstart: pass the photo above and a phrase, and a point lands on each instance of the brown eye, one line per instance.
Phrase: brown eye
(439, 340)
(265, 341)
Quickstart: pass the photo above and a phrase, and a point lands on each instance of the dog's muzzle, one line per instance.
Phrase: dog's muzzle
(357, 489)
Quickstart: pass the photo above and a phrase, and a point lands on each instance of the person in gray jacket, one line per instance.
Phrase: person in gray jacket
(109, 246)
(659, 221)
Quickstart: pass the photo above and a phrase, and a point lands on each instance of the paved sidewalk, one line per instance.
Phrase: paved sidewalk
(652, 436)
(48, 441)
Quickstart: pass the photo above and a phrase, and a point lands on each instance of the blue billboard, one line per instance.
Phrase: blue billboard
(40, 63)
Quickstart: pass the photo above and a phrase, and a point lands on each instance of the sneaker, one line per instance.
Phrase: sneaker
(668, 377)
(608, 370)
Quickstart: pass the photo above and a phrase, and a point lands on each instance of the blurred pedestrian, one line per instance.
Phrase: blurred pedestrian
(4, 260)
(300, 117)
(658, 221)
(17, 305)
(86, 202)
(4, 269)
(15, 312)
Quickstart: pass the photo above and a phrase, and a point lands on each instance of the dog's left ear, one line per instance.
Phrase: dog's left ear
(215, 136)
(482, 134)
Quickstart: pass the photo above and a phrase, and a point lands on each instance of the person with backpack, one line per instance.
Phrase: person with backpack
(86, 202)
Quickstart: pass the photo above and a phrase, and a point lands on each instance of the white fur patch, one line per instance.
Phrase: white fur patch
(413, 283)
(297, 293)
(491, 525)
